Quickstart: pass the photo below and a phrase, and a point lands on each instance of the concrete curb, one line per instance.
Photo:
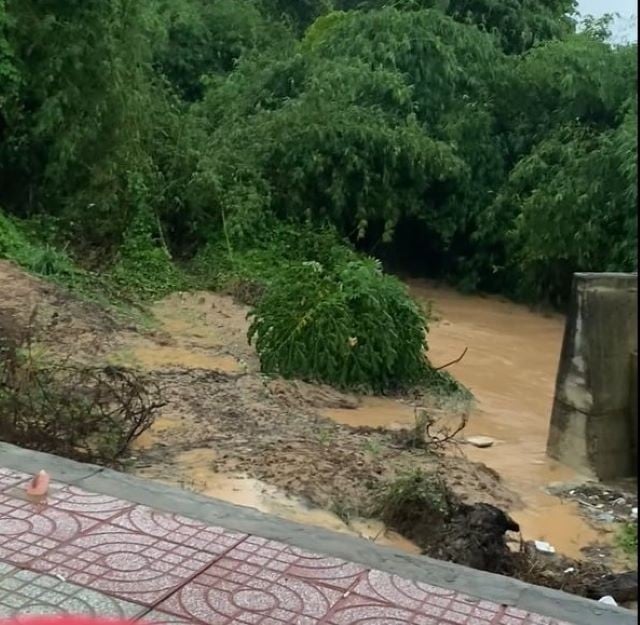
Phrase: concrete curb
(495, 588)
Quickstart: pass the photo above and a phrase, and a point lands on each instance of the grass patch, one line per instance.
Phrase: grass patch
(412, 503)
(627, 538)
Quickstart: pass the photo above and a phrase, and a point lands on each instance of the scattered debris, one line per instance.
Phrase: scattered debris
(544, 547)
(607, 600)
(602, 504)
(479, 441)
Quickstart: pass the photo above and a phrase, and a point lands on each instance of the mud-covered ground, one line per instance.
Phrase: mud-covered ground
(216, 398)
(269, 432)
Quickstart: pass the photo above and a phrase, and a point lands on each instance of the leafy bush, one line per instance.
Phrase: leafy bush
(237, 265)
(351, 326)
(145, 268)
(41, 259)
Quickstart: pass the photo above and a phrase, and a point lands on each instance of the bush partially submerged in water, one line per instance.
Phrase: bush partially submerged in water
(350, 326)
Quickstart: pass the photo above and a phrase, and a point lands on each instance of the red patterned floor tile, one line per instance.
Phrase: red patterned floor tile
(9, 478)
(446, 606)
(29, 530)
(234, 592)
(78, 501)
(404, 593)
(355, 610)
(278, 557)
(125, 564)
(156, 617)
(178, 529)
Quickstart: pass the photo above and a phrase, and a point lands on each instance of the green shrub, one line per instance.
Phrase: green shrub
(40, 259)
(145, 268)
(413, 503)
(253, 265)
(351, 326)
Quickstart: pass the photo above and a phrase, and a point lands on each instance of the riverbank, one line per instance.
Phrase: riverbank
(278, 447)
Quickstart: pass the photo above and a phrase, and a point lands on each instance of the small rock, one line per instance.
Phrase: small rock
(620, 501)
(634, 513)
(480, 441)
(607, 517)
(544, 547)
(607, 600)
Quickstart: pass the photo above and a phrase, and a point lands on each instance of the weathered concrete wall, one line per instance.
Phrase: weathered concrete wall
(591, 427)
(633, 405)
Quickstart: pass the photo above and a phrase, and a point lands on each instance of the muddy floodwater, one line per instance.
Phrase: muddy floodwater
(510, 367)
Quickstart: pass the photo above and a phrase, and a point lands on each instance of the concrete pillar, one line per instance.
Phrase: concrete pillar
(633, 406)
(591, 428)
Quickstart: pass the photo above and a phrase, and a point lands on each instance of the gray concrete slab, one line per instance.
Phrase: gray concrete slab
(496, 588)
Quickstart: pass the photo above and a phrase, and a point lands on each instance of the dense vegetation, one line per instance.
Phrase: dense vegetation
(489, 142)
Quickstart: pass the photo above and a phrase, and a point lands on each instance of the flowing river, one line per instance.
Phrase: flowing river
(510, 366)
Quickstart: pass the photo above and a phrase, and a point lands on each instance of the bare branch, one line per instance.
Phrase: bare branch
(453, 362)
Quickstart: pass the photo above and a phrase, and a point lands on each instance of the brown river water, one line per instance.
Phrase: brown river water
(510, 367)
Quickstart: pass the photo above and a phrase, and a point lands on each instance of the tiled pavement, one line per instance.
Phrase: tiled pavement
(82, 552)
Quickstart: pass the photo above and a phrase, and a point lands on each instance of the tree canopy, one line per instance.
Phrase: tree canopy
(486, 141)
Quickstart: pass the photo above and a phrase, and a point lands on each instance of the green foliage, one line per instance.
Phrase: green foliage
(296, 13)
(210, 37)
(576, 190)
(485, 140)
(413, 501)
(90, 118)
(41, 259)
(144, 267)
(224, 261)
(517, 24)
(627, 538)
(9, 76)
(349, 325)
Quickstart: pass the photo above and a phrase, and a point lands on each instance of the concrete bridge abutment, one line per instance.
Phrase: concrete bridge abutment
(594, 418)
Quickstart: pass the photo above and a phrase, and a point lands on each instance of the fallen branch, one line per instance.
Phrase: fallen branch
(453, 362)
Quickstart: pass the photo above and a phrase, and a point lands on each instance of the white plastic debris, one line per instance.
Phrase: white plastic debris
(607, 600)
(570, 570)
(544, 547)
(634, 513)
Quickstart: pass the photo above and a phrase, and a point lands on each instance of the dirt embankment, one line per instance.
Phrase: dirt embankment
(230, 432)
(272, 430)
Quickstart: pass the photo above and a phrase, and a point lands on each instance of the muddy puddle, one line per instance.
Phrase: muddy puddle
(197, 473)
(510, 366)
